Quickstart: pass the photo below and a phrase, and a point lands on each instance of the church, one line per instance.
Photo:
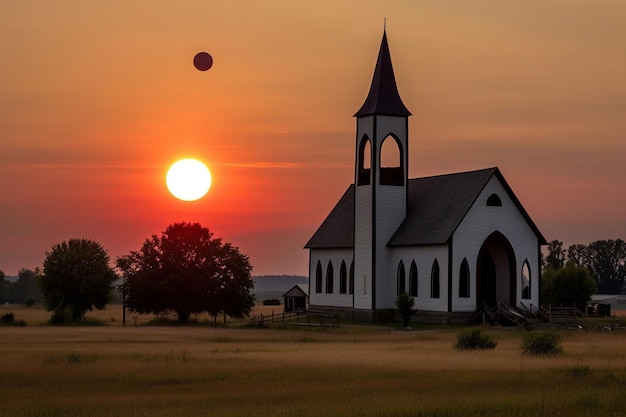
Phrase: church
(453, 242)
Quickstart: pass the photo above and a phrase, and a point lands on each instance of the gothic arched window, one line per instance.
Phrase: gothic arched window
(413, 280)
(494, 200)
(434, 281)
(401, 278)
(329, 278)
(343, 280)
(364, 168)
(391, 166)
(318, 277)
(464, 279)
(351, 279)
(526, 280)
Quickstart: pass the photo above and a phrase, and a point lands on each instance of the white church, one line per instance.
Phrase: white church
(453, 242)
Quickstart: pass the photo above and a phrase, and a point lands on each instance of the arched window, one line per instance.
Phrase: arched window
(526, 280)
(343, 278)
(464, 280)
(434, 280)
(329, 278)
(401, 278)
(494, 200)
(413, 280)
(364, 172)
(351, 279)
(318, 278)
(391, 171)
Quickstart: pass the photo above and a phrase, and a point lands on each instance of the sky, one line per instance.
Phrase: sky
(99, 98)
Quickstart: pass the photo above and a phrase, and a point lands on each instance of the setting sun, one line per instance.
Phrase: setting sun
(188, 179)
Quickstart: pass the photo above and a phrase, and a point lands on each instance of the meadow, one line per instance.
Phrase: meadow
(228, 371)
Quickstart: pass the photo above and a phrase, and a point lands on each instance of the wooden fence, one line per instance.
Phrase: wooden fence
(300, 318)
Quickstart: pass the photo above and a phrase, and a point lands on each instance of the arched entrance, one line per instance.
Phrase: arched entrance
(495, 271)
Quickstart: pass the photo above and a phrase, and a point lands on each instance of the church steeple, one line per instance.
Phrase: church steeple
(381, 179)
(383, 97)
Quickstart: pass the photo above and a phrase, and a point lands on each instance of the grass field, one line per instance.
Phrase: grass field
(351, 371)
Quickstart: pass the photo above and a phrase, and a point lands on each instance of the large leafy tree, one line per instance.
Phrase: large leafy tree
(77, 277)
(186, 270)
(605, 259)
(571, 285)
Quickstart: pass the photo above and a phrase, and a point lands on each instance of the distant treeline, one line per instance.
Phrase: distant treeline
(605, 260)
(23, 290)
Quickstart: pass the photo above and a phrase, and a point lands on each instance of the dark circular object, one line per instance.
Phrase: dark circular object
(202, 61)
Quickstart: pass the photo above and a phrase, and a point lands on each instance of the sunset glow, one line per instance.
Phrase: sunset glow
(98, 99)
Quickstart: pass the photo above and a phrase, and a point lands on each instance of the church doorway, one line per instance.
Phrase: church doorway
(495, 272)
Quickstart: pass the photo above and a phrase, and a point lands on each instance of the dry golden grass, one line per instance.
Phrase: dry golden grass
(351, 371)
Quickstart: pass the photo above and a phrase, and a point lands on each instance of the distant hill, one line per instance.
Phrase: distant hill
(274, 286)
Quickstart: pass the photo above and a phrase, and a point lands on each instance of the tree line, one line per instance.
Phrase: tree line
(23, 291)
(185, 270)
(604, 259)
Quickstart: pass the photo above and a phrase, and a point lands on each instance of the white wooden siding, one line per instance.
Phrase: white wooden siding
(336, 256)
(480, 222)
(424, 256)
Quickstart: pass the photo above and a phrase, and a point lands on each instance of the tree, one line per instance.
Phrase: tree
(556, 255)
(606, 260)
(188, 271)
(577, 255)
(27, 286)
(4, 288)
(77, 277)
(571, 285)
(405, 304)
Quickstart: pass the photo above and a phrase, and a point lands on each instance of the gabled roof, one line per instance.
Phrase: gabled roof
(383, 97)
(436, 207)
(298, 290)
(337, 231)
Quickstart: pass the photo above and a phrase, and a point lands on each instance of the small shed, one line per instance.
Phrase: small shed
(297, 298)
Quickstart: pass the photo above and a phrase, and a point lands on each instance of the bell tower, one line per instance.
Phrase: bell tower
(381, 191)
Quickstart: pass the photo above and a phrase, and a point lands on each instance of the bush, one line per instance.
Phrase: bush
(61, 316)
(271, 302)
(29, 301)
(542, 343)
(7, 318)
(474, 339)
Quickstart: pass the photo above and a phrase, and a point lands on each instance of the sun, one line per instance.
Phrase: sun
(188, 179)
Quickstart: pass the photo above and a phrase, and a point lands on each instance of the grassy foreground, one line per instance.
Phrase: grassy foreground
(351, 371)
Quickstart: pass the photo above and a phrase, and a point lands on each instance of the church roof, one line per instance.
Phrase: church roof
(337, 231)
(383, 97)
(436, 207)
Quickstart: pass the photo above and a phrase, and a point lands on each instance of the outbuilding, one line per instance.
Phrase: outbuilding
(296, 298)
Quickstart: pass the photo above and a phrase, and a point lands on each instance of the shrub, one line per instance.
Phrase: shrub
(271, 302)
(61, 316)
(474, 339)
(29, 301)
(405, 304)
(8, 319)
(542, 343)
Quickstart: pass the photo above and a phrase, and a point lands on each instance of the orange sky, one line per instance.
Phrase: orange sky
(98, 98)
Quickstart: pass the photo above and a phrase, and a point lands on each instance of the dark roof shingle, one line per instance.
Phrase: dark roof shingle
(383, 97)
(436, 207)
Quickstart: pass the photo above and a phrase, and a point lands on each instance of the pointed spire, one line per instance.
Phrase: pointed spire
(383, 97)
